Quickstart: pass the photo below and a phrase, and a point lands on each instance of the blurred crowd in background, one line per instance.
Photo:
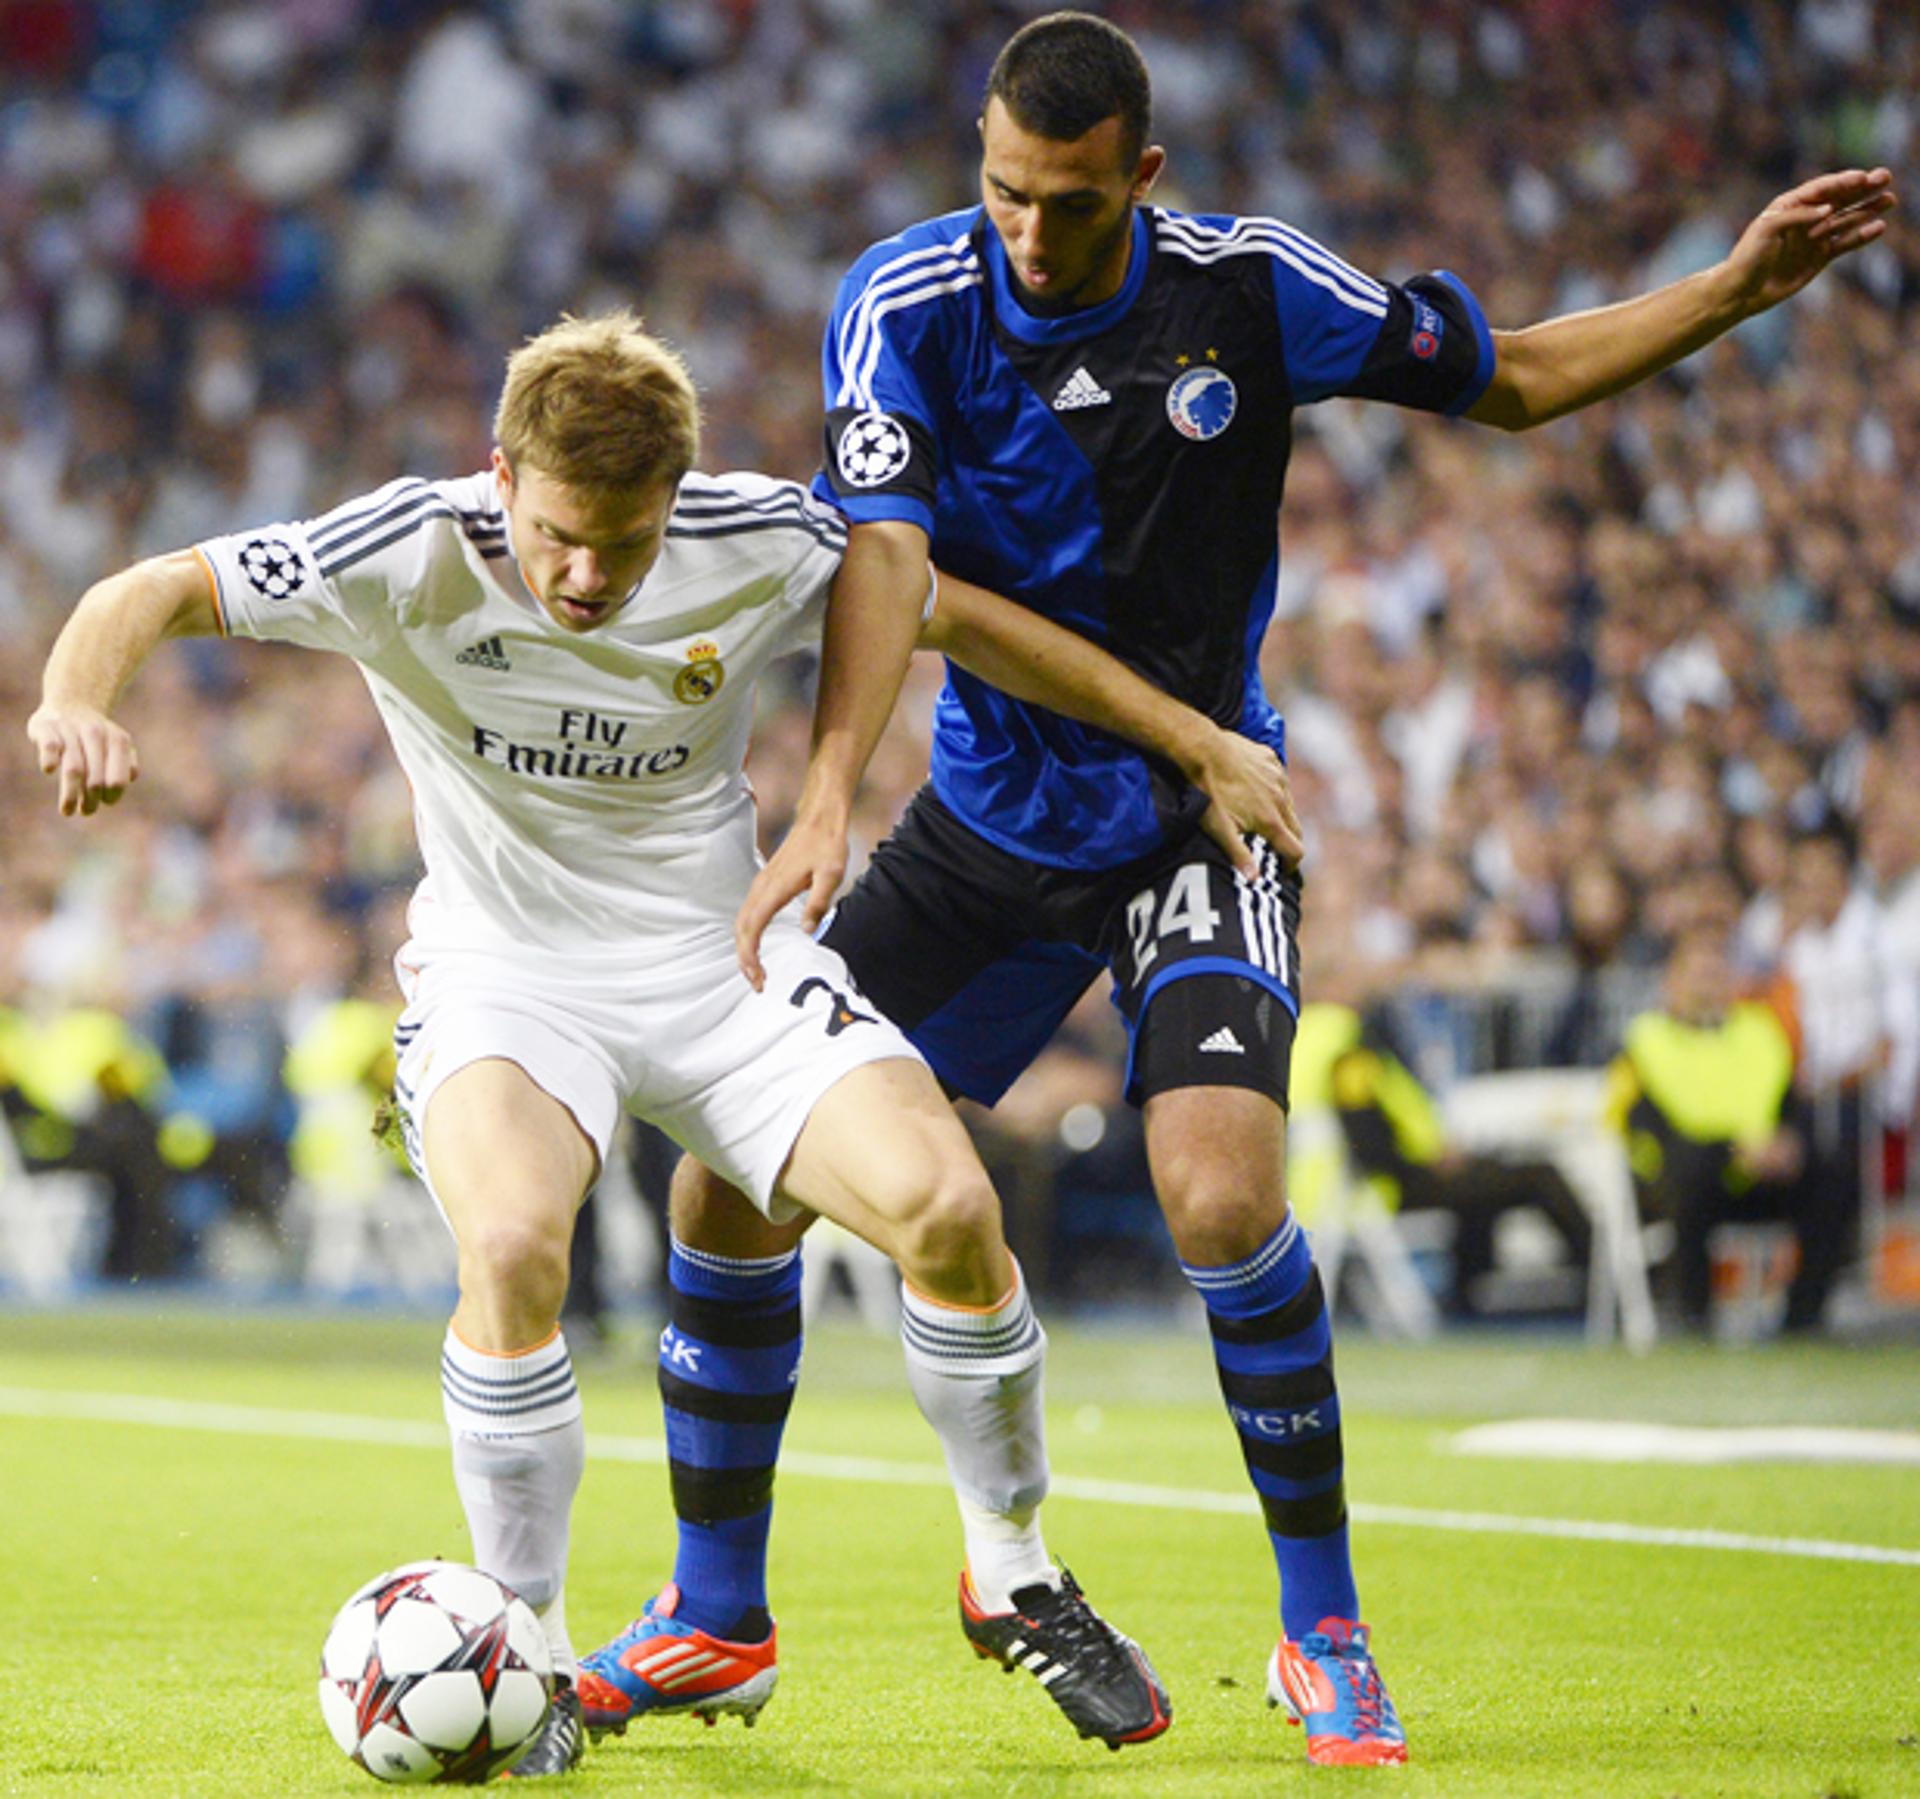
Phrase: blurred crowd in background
(1556, 705)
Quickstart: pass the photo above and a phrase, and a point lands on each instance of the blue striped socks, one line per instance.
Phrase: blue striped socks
(729, 1357)
(1274, 1351)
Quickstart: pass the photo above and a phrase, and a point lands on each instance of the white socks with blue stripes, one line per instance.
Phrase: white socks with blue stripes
(977, 1377)
(518, 1450)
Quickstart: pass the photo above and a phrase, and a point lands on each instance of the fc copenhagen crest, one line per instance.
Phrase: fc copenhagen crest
(873, 449)
(1201, 403)
(701, 679)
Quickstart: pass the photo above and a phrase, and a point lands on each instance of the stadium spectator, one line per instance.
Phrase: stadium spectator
(1395, 1136)
(1890, 856)
(1608, 949)
(1854, 1011)
(1703, 1089)
(79, 1089)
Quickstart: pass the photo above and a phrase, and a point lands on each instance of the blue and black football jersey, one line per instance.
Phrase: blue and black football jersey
(1117, 469)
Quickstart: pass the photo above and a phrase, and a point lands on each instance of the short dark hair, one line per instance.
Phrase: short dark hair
(1830, 832)
(1062, 74)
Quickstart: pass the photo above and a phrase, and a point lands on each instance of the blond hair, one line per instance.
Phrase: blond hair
(599, 405)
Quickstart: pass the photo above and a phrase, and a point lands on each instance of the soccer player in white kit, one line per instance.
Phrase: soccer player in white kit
(564, 650)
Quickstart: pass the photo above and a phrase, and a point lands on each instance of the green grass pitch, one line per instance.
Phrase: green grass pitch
(174, 1547)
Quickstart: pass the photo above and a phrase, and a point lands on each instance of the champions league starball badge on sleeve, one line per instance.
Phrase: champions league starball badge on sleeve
(873, 449)
(272, 567)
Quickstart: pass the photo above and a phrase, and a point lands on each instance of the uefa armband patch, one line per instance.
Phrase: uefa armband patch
(1429, 327)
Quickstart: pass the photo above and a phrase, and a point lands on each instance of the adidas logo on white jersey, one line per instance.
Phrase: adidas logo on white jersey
(1224, 1042)
(1081, 390)
(489, 652)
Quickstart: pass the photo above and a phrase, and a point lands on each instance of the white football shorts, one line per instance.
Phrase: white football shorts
(679, 1039)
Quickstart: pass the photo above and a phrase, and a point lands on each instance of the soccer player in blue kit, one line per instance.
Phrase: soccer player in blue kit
(1083, 401)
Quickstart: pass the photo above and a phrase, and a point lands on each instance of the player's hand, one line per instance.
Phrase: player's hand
(1806, 228)
(812, 860)
(91, 757)
(1251, 796)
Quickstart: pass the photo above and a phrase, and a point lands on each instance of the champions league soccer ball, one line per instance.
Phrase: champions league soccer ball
(435, 1672)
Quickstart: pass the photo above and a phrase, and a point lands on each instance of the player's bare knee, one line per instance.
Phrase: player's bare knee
(950, 1244)
(517, 1261)
(1215, 1213)
(696, 1190)
(707, 1213)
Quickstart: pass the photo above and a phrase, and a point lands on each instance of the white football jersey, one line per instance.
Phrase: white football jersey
(569, 790)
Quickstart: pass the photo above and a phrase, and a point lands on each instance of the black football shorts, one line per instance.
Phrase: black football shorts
(978, 955)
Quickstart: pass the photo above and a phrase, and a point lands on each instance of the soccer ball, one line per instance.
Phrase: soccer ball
(435, 1672)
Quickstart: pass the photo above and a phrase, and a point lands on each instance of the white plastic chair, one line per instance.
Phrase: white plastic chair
(1558, 1115)
(1346, 1215)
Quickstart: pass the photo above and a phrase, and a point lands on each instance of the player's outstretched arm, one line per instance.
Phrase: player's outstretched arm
(1033, 659)
(1566, 363)
(872, 618)
(111, 632)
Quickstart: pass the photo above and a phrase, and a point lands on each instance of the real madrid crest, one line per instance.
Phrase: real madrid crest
(1201, 403)
(701, 679)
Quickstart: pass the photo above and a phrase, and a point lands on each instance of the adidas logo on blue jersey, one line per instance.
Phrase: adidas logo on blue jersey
(489, 652)
(1081, 390)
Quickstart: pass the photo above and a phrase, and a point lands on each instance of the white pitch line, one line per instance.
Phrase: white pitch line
(1620, 1440)
(343, 1427)
(229, 1420)
(1647, 1535)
